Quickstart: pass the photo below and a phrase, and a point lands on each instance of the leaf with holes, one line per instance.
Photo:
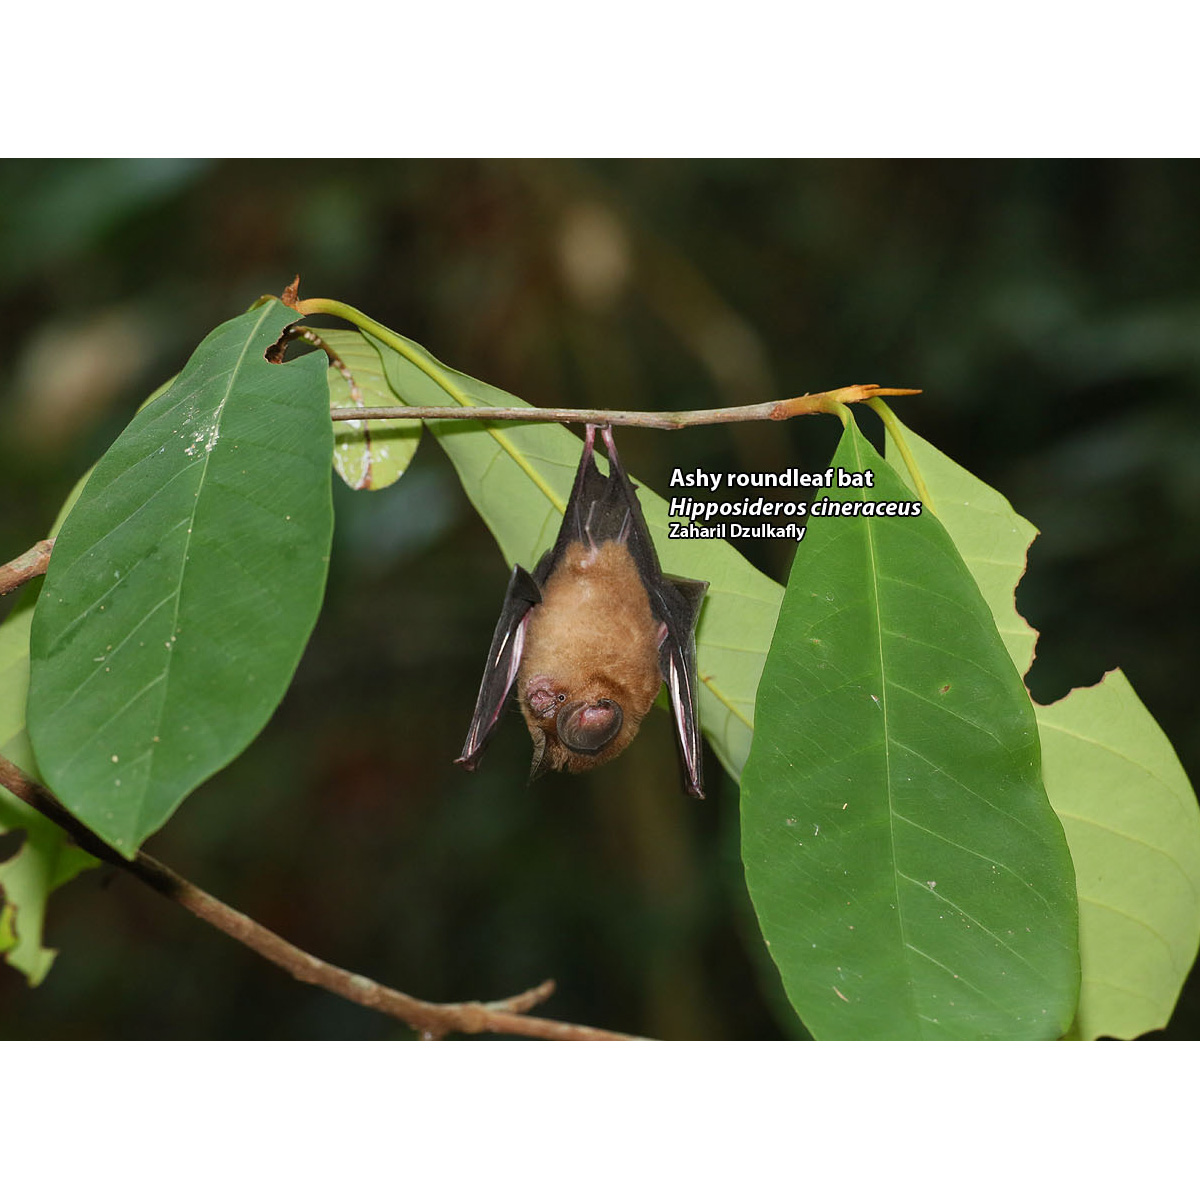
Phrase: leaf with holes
(185, 583)
(1134, 830)
(518, 477)
(992, 538)
(368, 455)
(909, 875)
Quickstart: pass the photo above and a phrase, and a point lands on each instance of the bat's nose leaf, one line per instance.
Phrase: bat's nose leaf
(587, 728)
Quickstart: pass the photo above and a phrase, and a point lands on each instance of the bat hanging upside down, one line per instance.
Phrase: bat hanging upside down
(589, 636)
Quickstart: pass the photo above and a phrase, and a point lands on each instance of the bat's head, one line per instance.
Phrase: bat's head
(576, 729)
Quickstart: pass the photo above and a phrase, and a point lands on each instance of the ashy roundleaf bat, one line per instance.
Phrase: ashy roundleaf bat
(591, 633)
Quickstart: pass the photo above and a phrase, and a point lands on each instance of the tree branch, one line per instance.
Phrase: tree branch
(25, 567)
(775, 410)
(772, 410)
(430, 1020)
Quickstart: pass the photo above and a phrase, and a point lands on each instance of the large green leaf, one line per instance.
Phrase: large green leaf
(368, 455)
(908, 873)
(185, 583)
(1134, 830)
(519, 477)
(46, 858)
(1129, 813)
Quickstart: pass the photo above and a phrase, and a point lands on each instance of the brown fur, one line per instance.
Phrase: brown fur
(591, 638)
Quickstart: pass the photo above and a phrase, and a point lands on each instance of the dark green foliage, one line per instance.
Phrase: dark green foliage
(911, 879)
(184, 584)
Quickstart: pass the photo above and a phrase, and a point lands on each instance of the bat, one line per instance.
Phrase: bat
(590, 635)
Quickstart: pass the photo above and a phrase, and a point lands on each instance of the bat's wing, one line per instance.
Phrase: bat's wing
(678, 606)
(503, 660)
(674, 601)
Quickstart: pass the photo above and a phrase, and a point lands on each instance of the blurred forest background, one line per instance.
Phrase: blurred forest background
(1050, 310)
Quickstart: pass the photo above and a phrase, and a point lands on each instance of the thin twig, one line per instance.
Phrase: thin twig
(778, 410)
(25, 567)
(431, 1020)
(772, 410)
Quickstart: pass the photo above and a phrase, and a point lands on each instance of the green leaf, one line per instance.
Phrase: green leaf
(909, 875)
(992, 538)
(1134, 829)
(368, 455)
(1129, 813)
(519, 477)
(185, 583)
(8, 927)
(47, 858)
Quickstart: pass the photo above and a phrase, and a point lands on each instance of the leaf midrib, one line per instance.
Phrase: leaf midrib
(887, 737)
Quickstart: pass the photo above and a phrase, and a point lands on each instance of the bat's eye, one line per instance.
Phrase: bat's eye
(587, 728)
(562, 697)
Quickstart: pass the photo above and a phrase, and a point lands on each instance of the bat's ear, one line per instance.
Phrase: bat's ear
(523, 586)
(692, 593)
(540, 765)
